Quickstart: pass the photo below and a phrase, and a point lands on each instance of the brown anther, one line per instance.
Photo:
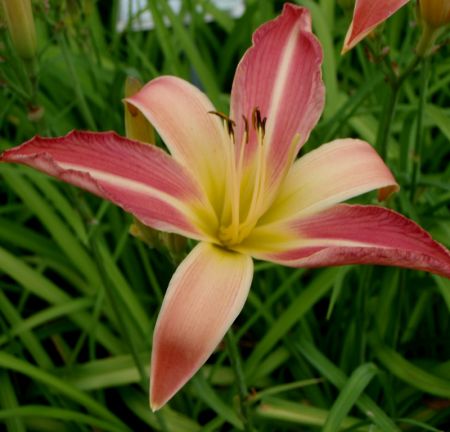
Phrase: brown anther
(256, 116)
(230, 127)
(229, 123)
(245, 128)
(258, 122)
(263, 126)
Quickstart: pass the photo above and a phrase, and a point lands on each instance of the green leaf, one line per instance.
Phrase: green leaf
(411, 374)
(348, 396)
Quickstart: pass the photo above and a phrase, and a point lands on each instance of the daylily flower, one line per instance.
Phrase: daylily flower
(233, 184)
(368, 14)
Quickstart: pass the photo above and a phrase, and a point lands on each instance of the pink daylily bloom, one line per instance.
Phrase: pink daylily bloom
(233, 184)
(367, 15)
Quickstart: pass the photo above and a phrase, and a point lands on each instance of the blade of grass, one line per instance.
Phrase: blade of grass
(278, 409)
(30, 342)
(339, 379)
(43, 288)
(45, 411)
(411, 374)
(55, 226)
(8, 402)
(318, 287)
(16, 364)
(207, 394)
(348, 396)
(207, 76)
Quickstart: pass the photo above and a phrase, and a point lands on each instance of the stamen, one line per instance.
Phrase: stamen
(238, 219)
(256, 118)
(245, 140)
(258, 122)
(230, 124)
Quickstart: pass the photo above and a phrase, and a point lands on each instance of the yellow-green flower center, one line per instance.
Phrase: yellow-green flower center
(243, 201)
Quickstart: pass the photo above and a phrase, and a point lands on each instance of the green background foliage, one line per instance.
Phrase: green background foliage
(354, 348)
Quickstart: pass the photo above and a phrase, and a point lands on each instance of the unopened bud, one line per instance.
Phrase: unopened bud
(148, 235)
(162, 241)
(19, 18)
(434, 13)
(175, 243)
(137, 127)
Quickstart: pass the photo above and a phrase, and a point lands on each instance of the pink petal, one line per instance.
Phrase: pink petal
(347, 234)
(140, 178)
(367, 15)
(204, 297)
(281, 75)
(181, 114)
(332, 173)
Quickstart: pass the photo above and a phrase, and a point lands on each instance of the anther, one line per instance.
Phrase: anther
(258, 123)
(230, 124)
(245, 128)
(255, 116)
(263, 126)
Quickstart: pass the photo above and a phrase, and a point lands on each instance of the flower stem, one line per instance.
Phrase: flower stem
(423, 49)
(236, 364)
(384, 129)
(417, 154)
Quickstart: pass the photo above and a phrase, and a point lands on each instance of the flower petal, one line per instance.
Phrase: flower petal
(347, 234)
(281, 75)
(181, 114)
(367, 15)
(332, 173)
(140, 178)
(204, 297)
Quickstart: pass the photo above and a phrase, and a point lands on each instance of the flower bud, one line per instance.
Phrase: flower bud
(19, 18)
(146, 234)
(174, 243)
(434, 13)
(137, 126)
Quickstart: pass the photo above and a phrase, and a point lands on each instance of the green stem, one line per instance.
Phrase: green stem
(417, 154)
(424, 45)
(236, 364)
(82, 102)
(426, 41)
(384, 129)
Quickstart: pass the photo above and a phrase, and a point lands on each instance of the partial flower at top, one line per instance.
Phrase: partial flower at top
(233, 183)
(434, 13)
(368, 14)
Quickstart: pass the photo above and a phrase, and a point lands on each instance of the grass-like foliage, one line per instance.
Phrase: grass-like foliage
(355, 348)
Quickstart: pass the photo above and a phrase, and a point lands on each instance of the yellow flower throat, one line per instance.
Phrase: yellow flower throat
(243, 199)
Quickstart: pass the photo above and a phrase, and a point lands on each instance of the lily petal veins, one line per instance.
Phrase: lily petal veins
(233, 183)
